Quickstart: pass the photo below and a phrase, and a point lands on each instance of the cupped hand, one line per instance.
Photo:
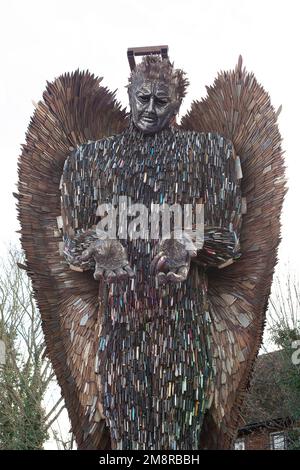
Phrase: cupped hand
(111, 263)
(172, 263)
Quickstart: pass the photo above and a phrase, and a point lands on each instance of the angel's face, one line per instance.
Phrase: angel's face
(153, 105)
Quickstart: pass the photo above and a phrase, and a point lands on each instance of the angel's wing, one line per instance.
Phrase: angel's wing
(238, 108)
(75, 109)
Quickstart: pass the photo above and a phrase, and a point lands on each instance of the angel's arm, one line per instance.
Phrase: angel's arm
(78, 208)
(84, 248)
(221, 247)
(222, 208)
(217, 243)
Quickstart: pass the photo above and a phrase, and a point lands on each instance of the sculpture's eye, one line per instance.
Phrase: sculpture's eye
(144, 98)
(161, 101)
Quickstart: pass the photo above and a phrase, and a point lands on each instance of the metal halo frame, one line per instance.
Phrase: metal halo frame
(132, 52)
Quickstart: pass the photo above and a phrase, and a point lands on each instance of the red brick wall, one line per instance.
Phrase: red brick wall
(259, 438)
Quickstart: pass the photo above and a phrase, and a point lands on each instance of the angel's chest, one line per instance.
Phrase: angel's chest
(150, 176)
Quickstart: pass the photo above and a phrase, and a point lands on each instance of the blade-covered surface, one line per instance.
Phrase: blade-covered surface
(238, 108)
(75, 109)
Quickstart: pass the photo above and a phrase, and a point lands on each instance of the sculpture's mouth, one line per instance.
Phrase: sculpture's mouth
(149, 119)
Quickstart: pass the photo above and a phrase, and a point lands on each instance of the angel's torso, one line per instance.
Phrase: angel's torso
(151, 171)
(169, 168)
(156, 339)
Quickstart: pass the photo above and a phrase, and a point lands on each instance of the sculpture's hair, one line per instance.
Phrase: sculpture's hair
(156, 68)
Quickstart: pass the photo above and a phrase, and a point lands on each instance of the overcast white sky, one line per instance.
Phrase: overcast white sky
(43, 39)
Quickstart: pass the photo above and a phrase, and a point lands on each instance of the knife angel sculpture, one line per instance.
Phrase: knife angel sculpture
(152, 342)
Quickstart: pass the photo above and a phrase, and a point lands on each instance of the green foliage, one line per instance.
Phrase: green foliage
(285, 330)
(289, 378)
(22, 417)
(293, 439)
(27, 373)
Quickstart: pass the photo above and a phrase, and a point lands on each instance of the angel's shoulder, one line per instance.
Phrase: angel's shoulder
(86, 153)
(204, 141)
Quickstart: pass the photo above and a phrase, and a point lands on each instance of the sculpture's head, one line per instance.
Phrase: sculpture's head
(155, 91)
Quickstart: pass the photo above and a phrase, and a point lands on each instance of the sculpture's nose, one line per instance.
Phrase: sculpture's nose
(151, 108)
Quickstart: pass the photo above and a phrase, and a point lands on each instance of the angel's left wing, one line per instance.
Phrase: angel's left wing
(74, 110)
(239, 109)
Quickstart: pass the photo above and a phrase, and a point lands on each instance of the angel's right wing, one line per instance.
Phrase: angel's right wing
(75, 109)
